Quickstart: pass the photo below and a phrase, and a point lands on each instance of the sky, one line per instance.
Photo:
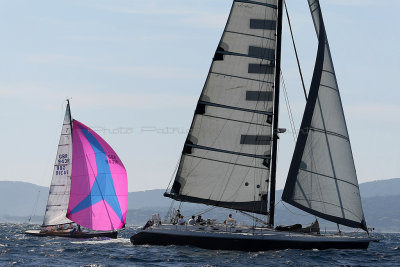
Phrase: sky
(135, 69)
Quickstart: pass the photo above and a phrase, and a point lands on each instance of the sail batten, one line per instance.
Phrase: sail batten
(257, 3)
(243, 78)
(226, 157)
(331, 177)
(234, 108)
(322, 178)
(228, 152)
(249, 55)
(251, 35)
(226, 162)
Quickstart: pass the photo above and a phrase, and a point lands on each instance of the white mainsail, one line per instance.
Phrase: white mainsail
(226, 158)
(57, 202)
(322, 178)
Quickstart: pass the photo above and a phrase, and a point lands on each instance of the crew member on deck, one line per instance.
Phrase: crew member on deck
(199, 220)
(176, 218)
(230, 220)
(181, 221)
(192, 221)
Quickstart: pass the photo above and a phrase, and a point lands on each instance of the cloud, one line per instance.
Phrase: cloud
(50, 98)
(151, 72)
(91, 38)
(159, 36)
(59, 59)
(137, 100)
(374, 112)
(209, 20)
(20, 90)
(200, 18)
(352, 2)
(149, 11)
(164, 72)
(6, 92)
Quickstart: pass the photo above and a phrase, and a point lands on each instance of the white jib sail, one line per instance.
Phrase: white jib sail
(57, 202)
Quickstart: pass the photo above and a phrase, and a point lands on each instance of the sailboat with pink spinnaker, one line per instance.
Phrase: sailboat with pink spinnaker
(89, 188)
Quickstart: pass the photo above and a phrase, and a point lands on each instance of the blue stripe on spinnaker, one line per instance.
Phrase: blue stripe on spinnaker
(103, 186)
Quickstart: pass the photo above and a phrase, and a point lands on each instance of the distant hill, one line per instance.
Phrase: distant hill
(381, 188)
(22, 200)
(146, 199)
(155, 198)
(19, 198)
(380, 201)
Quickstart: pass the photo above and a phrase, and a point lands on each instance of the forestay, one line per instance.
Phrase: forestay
(226, 158)
(322, 178)
(57, 202)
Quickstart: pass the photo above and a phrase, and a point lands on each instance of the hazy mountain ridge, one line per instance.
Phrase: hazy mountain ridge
(19, 198)
(380, 201)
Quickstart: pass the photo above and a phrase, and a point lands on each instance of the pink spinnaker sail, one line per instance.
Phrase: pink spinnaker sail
(99, 185)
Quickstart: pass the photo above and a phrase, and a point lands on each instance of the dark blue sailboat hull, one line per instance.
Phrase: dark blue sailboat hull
(246, 242)
(69, 234)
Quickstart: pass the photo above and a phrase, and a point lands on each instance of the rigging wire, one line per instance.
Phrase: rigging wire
(291, 118)
(255, 219)
(289, 109)
(169, 214)
(280, 201)
(35, 206)
(295, 50)
(297, 214)
(174, 173)
(292, 125)
(207, 210)
(300, 73)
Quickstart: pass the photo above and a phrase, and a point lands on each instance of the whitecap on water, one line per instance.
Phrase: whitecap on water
(103, 241)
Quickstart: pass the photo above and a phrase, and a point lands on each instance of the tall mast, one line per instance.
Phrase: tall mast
(276, 115)
(70, 116)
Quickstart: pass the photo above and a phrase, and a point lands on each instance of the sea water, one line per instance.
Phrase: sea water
(18, 249)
